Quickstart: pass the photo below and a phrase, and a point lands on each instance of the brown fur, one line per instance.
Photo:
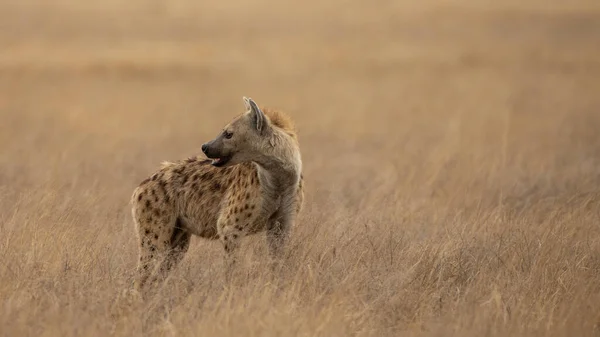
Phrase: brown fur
(194, 197)
(281, 120)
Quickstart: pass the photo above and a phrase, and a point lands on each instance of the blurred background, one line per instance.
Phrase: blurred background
(464, 132)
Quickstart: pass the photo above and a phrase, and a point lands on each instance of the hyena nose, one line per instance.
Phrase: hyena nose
(204, 148)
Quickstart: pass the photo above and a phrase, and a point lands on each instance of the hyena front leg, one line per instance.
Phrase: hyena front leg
(279, 226)
(277, 234)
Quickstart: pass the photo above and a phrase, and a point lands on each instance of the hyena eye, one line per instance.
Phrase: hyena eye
(228, 135)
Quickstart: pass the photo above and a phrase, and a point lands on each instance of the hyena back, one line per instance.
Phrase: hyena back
(253, 183)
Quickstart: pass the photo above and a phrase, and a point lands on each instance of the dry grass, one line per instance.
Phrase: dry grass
(451, 150)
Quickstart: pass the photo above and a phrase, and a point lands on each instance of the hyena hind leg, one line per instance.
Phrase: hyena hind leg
(161, 249)
(230, 234)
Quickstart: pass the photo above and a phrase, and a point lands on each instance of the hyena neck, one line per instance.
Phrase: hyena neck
(279, 172)
(277, 177)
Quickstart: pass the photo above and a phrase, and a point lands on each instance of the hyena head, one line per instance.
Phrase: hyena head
(242, 140)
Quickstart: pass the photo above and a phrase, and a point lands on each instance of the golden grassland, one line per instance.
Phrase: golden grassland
(451, 155)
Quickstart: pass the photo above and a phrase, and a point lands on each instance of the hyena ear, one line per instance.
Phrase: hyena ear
(256, 115)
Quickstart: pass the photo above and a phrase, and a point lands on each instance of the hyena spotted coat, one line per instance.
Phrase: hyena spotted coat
(251, 183)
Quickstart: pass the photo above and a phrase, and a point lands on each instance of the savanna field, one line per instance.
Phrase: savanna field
(451, 157)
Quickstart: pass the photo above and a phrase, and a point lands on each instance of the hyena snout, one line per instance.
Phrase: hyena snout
(211, 150)
(215, 152)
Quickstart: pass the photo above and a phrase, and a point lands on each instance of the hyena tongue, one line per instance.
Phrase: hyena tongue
(216, 160)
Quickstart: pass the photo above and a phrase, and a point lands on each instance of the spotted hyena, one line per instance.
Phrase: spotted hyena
(252, 182)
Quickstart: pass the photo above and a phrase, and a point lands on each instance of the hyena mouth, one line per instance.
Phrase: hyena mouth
(218, 162)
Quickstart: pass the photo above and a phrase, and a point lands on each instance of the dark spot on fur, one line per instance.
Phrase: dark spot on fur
(252, 207)
(178, 170)
(246, 206)
(195, 177)
(156, 212)
(248, 215)
(237, 219)
(152, 248)
(151, 255)
(247, 196)
(194, 185)
(156, 198)
(145, 181)
(167, 199)
(207, 175)
(235, 210)
(184, 180)
(226, 238)
(156, 236)
(216, 186)
(147, 203)
(154, 177)
(145, 267)
(238, 227)
(146, 232)
(140, 197)
(235, 236)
